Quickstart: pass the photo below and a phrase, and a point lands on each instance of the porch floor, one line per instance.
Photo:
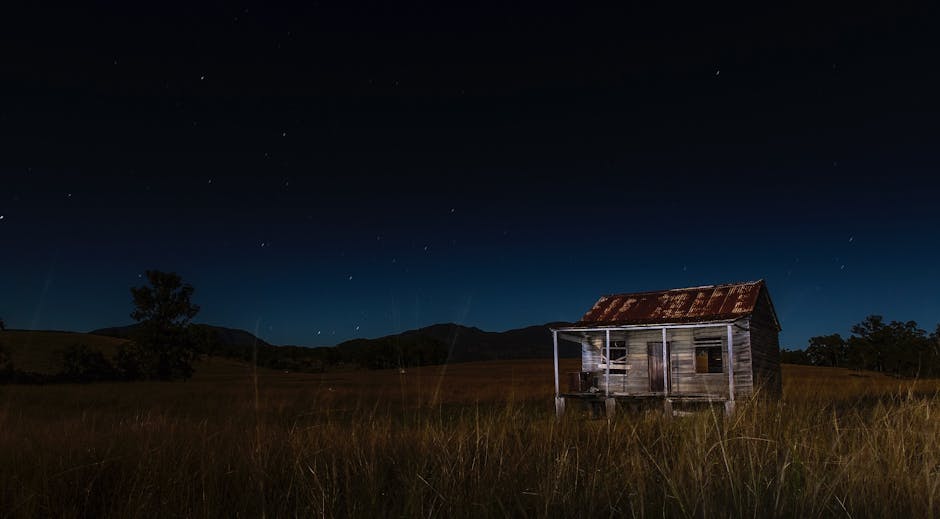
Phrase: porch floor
(683, 397)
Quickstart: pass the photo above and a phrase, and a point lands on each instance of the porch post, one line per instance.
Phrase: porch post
(555, 356)
(665, 365)
(559, 401)
(607, 364)
(729, 405)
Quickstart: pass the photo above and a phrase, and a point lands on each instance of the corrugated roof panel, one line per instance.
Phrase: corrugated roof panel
(714, 302)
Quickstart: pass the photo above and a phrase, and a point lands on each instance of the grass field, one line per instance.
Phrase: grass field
(466, 440)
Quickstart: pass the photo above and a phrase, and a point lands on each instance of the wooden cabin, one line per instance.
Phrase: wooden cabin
(720, 342)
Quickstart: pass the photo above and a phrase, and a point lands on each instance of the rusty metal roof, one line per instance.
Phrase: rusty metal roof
(679, 305)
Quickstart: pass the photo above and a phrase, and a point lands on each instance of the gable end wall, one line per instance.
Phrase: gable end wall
(765, 348)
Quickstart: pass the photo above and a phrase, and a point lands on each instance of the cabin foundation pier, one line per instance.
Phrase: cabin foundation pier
(610, 406)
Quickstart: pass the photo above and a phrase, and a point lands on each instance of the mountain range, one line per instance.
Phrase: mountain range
(463, 343)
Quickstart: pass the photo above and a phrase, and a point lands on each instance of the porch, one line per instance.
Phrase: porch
(655, 363)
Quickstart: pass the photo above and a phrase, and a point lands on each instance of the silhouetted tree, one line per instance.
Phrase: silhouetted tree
(909, 355)
(163, 347)
(896, 347)
(935, 343)
(3, 325)
(866, 343)
(933, 353)
(827, 350)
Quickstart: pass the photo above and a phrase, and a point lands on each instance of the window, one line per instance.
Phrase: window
(708, 357)
(618, 357)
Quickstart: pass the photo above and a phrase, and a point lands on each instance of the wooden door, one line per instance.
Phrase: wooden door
(654, 354)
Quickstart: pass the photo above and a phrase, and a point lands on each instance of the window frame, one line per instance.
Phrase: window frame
(713, 349)
(617, 365)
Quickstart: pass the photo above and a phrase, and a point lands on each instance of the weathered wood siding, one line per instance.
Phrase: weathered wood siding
(765, 347)
(683, 378)
(636, 380)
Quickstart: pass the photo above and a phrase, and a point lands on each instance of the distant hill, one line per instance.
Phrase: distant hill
(228, 338)
(465, 343)
(40, 351)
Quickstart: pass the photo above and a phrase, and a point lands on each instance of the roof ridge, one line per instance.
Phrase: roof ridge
(719, 285)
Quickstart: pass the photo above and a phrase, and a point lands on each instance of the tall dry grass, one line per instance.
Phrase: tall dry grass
(311, 448)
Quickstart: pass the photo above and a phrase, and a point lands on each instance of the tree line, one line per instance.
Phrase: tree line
(897, 348)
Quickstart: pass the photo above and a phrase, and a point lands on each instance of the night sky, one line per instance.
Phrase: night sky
(333, 171)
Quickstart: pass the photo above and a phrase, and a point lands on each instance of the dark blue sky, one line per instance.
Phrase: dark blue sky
(332, 172)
